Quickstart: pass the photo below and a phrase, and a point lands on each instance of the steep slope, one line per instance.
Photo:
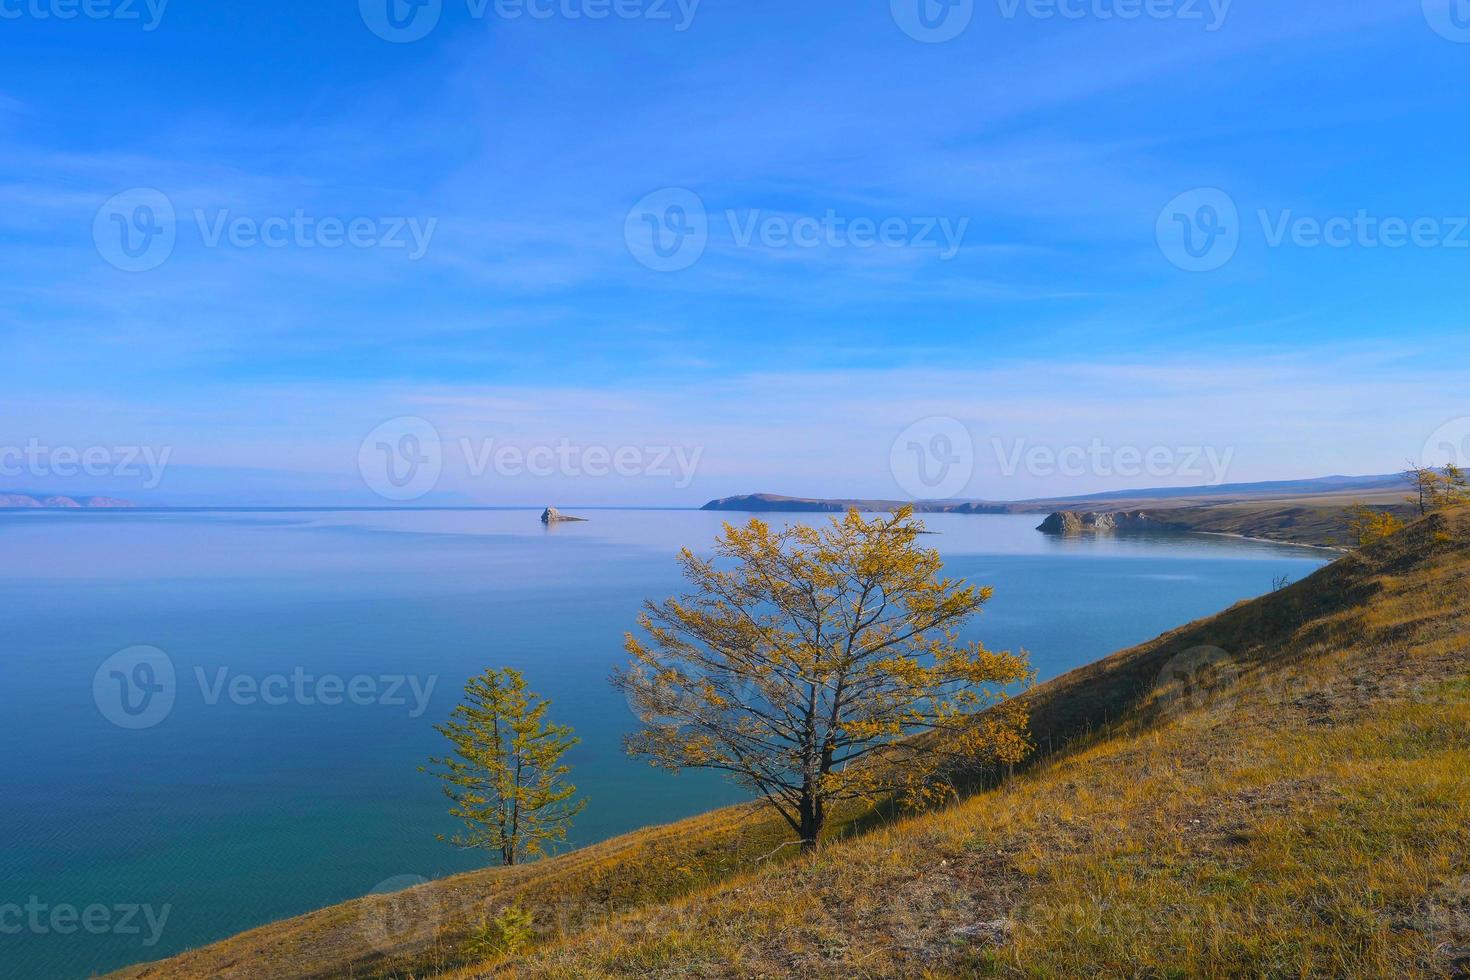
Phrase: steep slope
(1283, 788)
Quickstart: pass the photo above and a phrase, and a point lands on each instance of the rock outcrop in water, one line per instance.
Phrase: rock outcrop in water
(553, 516)
(1076, 522)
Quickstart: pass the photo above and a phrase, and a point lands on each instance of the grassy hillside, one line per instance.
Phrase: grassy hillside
(1280, 790)
(1319, 520)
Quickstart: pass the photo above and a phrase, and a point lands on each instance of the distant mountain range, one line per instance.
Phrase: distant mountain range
(1327, 486)
(1311, 512)
(1272, 488)
(28, 501)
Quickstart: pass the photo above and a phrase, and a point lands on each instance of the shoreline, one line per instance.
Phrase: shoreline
(1335, 549)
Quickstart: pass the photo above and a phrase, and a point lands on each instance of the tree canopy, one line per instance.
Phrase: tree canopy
(822, 664)
(505, 775)
(1437, 489)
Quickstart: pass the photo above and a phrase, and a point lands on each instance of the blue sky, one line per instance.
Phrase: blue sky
(1030, 171)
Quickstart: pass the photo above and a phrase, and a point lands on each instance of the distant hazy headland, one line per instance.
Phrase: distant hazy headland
(1311, 512)
(29, 501)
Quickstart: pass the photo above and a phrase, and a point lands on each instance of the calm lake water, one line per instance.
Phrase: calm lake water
(312, 652)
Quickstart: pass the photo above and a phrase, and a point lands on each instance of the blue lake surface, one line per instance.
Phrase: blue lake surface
(236, 810)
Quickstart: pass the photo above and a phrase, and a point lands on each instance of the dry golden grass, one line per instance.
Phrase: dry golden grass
(420, 932)
(1300, 808)
(1307, 816)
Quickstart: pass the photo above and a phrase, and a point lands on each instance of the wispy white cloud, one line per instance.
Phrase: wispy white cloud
(528, 317)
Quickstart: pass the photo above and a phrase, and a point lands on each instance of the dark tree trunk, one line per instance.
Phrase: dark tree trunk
(813, 818)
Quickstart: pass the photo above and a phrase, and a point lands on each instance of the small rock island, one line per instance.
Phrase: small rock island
(553, 516)
(1075, 522)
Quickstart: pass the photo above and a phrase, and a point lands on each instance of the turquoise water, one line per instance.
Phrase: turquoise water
(227, 811)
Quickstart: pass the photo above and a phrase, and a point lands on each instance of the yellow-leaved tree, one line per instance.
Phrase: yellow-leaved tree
(820, 665)
(1437, 489)
(1368, 525)
(505, 777)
